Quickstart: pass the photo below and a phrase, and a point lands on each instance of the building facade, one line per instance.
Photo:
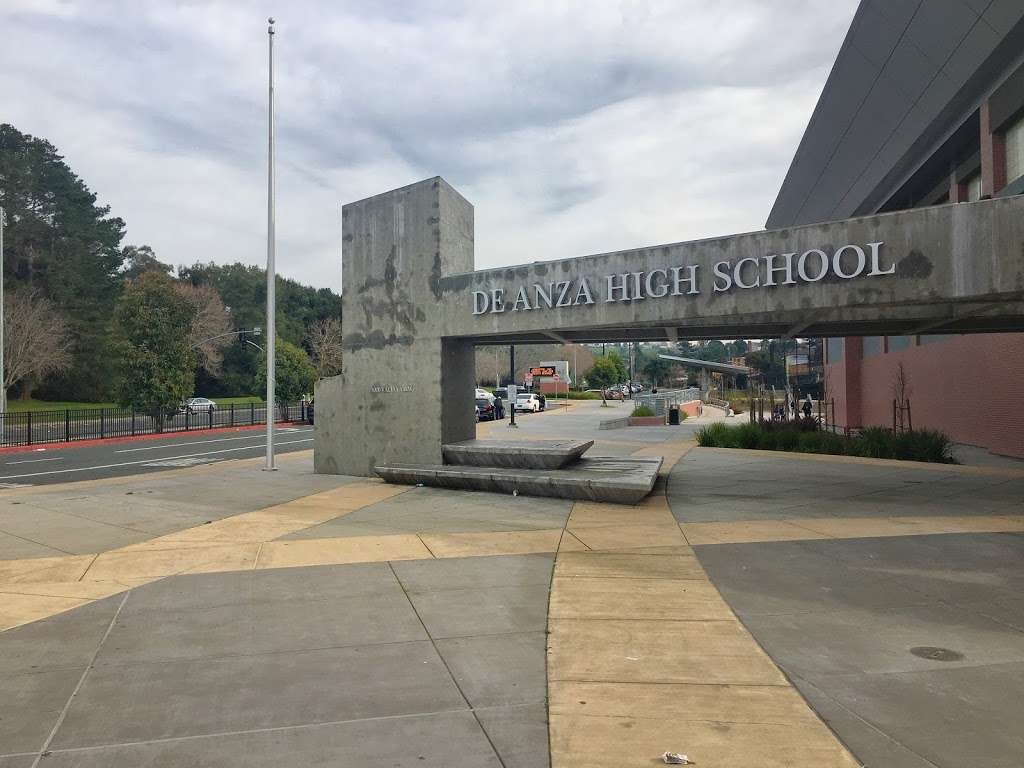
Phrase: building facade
(924, 106)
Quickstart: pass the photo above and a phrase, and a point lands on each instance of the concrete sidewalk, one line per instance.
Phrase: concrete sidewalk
(366, 624)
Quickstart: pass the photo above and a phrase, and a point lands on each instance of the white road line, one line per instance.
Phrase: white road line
(30, 461)
(146, 461)
(256, 436)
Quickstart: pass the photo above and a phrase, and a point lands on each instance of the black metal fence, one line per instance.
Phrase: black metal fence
(70, 424)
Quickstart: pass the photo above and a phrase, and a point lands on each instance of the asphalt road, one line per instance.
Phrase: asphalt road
(68, 462)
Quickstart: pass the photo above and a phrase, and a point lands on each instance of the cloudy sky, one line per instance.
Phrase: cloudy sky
(573, 127)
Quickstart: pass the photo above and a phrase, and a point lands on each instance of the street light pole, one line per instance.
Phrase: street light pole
(271, 274)
(512, 383)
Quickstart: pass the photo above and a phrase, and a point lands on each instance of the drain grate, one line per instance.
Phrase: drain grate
(936, 654)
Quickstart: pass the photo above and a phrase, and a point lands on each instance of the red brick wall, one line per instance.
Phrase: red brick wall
(969, 387)
(691, 408)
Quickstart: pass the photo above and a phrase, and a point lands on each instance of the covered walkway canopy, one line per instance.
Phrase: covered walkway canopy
(710, 365)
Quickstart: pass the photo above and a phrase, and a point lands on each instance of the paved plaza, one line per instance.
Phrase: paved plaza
(757, 609)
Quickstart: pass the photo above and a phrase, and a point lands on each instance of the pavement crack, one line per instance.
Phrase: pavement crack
(448, 669)
(81, 681)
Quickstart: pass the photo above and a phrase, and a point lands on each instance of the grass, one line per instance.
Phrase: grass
(803, 436)
(20, 406)
(243, 400)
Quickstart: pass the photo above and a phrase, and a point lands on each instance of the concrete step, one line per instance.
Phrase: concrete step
(519, 454)
(615, 480)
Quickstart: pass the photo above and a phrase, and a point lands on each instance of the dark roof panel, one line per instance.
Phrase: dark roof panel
(905, 78)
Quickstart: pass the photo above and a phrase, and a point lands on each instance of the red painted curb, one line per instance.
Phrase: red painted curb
(92, 442)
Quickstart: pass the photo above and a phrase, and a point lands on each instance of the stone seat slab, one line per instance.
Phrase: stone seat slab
(614, 480)
(516, 454)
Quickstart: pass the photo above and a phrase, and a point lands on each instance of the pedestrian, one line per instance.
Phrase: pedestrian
(499, 409)
(807, 407)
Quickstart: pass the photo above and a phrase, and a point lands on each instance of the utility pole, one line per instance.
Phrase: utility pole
(3, 386)
(271, 272)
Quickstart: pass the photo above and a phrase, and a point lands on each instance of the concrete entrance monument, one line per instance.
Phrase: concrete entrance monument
(405, 389)
(414, 307)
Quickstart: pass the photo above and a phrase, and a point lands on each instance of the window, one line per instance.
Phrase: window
(1014, 142)
(896, 343)
(872, 346)
(834, 350)
(934, 338)
(973, 187)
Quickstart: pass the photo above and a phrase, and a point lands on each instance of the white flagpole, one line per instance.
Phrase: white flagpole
(271, 273)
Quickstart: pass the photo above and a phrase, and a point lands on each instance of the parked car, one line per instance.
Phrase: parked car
(501, 393)
(485, 409)
(528, 402)
(613, 393)
(483, 393)
(197, 405)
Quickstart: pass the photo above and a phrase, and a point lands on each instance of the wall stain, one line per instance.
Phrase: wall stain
(375, 340)
(914, 265)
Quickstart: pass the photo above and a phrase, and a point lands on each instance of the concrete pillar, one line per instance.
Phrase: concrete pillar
(993, 155)
(957, 189)
(848, 412)
(404, 391)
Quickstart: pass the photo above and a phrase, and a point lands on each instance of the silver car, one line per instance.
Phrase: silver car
(198, 405)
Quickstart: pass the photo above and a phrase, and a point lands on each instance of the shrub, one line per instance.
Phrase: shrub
(573, 395)
(713, 435)
(642, 410)
(747, 435)
(786, 440)
(924, 445)
(876, 443)
(804, 436)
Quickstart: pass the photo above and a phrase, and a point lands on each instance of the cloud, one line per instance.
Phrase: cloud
(572, 127)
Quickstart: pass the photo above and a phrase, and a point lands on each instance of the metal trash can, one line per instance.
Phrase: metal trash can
(673, 415)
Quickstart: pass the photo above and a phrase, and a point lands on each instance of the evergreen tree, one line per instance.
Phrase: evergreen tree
(63, 245)
(154, 361)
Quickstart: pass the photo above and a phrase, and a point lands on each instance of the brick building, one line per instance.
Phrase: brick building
(924, 106)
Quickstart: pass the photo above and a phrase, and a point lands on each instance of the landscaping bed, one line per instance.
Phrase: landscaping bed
(805, 436)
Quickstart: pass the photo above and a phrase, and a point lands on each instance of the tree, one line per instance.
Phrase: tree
(607, 371)
(772, 370)
(657, 369)
(60, 242)
(155, 364)
(294, 373)
(36, 339)
(244, 290)
(139, 259)
(324, 340)
(210, 322)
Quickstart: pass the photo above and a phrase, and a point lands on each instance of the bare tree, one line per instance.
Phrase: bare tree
(324, 338)
(901, 393)
(209, 326)
(37, 341)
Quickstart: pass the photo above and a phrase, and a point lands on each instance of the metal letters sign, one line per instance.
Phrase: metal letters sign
(543, 371)
(846, 263)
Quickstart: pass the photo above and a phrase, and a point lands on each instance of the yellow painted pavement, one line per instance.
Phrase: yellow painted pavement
(644, 656)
